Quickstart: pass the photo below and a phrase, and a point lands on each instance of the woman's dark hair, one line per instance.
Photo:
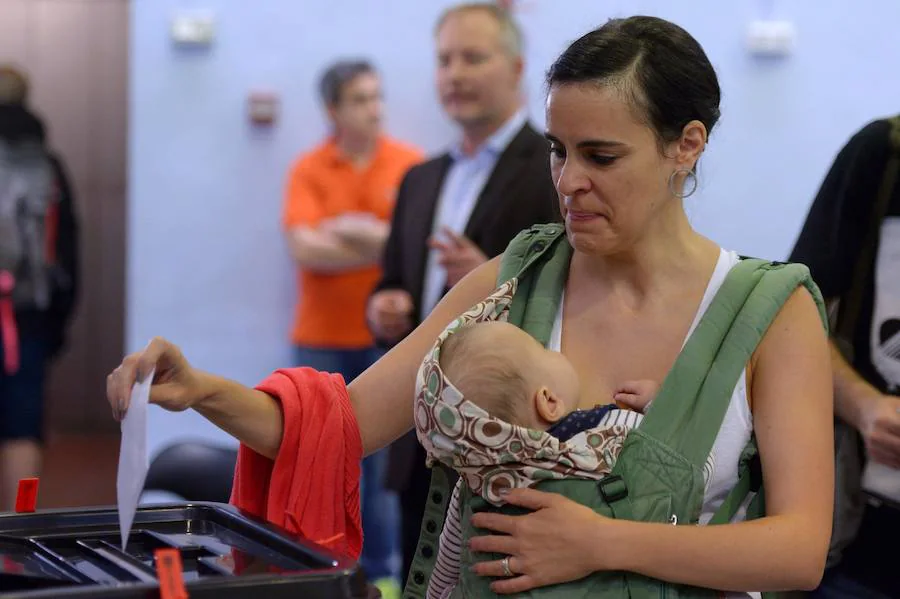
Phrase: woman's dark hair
(664, 71)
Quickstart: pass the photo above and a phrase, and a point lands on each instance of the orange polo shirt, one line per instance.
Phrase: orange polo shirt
(331, 310)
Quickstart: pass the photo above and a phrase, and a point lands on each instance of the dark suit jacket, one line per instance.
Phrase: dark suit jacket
(518, 194)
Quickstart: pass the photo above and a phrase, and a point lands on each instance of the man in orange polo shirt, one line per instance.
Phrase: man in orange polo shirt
(337, 214)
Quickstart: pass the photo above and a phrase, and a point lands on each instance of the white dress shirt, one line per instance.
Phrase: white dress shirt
(462, 185)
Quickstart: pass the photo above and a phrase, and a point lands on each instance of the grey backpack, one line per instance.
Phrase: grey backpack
(27, 205)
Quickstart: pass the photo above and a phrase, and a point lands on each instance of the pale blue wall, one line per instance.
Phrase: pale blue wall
(207, 266)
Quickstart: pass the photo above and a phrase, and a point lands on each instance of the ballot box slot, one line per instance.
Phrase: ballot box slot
(207, 555)
(191, 555)
(239, 546)
(282, 554)
(163, 540)
(56, 561)
(97, 566)
(114, 558)
(26, 566)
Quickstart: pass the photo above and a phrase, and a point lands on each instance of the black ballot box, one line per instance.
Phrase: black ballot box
(224, 554)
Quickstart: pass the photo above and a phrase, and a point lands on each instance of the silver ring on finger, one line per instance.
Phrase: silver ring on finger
(506, 570)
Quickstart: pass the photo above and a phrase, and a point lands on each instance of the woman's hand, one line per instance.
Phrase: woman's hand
(555, 543)
(176, 386)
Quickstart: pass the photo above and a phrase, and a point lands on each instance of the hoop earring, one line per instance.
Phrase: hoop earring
(689, 175)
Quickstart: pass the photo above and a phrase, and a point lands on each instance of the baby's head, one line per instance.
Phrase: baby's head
(505, 371)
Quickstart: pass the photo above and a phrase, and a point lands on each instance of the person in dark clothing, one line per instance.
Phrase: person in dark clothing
(38, 278)
(851, 243)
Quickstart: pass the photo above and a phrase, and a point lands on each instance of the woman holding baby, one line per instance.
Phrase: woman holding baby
(630, 108)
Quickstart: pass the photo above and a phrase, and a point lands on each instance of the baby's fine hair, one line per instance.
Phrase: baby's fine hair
(485, 374)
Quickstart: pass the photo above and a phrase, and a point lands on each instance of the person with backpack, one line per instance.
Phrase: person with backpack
(851, 244)
(626, 290)
(38, 278)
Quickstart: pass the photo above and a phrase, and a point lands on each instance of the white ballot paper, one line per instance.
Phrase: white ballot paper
(133, 461)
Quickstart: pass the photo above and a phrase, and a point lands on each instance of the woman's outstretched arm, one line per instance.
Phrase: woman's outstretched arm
(382, 396)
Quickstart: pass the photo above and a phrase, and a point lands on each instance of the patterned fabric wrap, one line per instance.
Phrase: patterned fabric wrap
(490, 454)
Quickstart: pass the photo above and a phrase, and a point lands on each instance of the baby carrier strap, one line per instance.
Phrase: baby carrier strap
(772, 291)
(717, 352)
(690, 406)
(430, 533)
(539, 257)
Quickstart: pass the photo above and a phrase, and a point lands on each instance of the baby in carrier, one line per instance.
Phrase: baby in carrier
(496, 406)
(506, 372)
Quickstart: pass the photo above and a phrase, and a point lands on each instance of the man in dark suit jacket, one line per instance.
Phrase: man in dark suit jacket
(456, 211)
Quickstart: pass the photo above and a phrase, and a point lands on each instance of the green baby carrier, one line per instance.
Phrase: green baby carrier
(658, 476)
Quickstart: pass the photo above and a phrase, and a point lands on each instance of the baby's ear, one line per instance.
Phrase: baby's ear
(550, 407)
